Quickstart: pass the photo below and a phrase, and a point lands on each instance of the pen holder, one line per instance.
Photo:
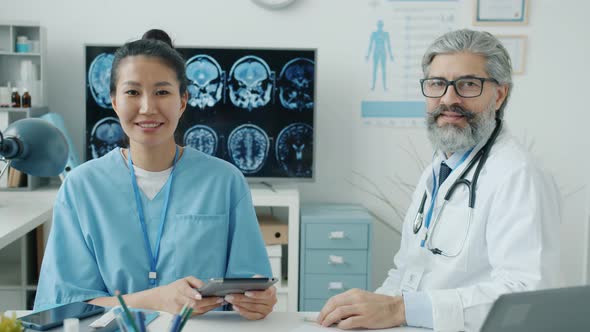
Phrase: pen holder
(121, 319)
(71, 325)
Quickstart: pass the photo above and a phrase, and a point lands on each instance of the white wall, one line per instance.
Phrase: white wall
(547, 103)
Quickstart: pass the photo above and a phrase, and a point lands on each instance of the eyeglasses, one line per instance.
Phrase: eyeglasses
(466, 87)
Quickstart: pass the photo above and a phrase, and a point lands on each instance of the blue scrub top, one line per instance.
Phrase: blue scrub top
(96, 245)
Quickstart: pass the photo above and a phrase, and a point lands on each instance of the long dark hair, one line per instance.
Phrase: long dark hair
(154, 43)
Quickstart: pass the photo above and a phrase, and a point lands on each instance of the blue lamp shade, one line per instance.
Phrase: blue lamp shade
(35, 147)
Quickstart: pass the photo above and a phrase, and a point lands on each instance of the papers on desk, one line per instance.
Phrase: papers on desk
(310, 325)
(109, 316)
(313, 327)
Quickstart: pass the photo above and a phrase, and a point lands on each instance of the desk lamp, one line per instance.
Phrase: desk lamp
(33, 146)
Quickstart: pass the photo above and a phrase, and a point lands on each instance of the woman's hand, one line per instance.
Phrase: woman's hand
(174, 296)
(254, 305)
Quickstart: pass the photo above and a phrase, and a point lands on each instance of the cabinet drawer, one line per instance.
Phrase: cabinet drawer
(327, 285)
(336, 236)
(336, 261)
(312, 305)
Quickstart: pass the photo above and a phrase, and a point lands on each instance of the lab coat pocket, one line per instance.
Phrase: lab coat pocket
(200, 245)
(451, 236)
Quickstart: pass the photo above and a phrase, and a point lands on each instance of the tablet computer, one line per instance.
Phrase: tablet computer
(224, 286)
(44, 320)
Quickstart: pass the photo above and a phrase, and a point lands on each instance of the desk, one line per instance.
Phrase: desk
(20, 212)
(23, 211)
(231, 321)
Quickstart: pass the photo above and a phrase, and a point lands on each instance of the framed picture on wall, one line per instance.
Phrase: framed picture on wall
(516, 47)
(501, 12)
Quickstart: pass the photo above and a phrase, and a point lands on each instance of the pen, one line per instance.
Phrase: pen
(183, 310)
(175, 324)
(140, 318)
(131, 320)
(187, 315)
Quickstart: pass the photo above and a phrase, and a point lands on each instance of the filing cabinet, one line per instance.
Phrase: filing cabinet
(335, 252)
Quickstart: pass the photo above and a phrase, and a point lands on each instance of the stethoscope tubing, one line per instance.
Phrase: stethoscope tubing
(480, 158)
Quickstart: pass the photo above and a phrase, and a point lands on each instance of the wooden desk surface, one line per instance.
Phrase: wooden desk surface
(23, 211)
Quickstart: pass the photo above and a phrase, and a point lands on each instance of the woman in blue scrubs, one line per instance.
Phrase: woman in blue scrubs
(154, 220)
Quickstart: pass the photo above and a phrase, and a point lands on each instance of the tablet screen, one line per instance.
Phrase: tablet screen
(55, 316)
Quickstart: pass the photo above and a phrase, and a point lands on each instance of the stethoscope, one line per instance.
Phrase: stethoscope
(481, 156)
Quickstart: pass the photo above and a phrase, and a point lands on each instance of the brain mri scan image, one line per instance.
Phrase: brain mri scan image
(294, 149)
(99, 79)
(296, 83)
(248, 147)
(206, 81)
(202, 138)
(250, 83)
(106, 135)
(253, 107)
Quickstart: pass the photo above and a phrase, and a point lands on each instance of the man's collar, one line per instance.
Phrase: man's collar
(454, 160)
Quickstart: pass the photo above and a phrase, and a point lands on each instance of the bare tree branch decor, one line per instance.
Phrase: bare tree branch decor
(374, 188)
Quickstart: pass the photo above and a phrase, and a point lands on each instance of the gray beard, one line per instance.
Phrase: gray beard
(450, 138)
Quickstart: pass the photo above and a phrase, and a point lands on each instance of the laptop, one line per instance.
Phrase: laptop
(560, 309)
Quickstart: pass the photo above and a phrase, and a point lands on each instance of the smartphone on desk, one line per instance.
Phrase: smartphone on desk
(44, 320)
(224, 286)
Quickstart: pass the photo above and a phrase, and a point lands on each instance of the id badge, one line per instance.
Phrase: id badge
(411, 279)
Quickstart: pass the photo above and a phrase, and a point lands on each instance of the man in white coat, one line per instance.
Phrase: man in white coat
(455, 261)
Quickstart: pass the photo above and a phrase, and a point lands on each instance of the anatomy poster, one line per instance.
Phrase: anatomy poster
(398, 33)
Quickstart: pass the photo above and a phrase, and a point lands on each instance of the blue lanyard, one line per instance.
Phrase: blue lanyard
(435, 192)
(152, 275)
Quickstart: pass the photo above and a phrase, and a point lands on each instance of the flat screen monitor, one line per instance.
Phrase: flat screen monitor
(254, 108)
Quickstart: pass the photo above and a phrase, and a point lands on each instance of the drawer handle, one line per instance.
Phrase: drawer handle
(336, 235)
(336, 260)
(335, 285)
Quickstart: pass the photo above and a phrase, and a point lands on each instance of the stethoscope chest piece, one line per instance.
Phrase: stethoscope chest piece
(418, 222)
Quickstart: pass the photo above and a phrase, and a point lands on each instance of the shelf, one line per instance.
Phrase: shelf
(14, 109)
(284, 197)
(10, 288)
(19, 53)
(17, 251)
(15, 189)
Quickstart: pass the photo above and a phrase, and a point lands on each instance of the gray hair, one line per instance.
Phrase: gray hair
(498, 66)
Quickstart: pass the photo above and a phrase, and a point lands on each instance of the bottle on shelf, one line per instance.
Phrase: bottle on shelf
(15, 98)
(22, 44)
(26, 99)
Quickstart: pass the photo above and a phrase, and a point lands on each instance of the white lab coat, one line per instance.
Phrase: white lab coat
(512, 244)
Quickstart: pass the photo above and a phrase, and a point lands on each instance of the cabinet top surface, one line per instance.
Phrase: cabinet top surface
(340, 212)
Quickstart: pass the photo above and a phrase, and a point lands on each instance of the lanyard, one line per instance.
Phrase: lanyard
(152, 275)
(435, 192)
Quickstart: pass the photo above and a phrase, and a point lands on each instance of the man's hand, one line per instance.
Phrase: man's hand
(361, 309)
